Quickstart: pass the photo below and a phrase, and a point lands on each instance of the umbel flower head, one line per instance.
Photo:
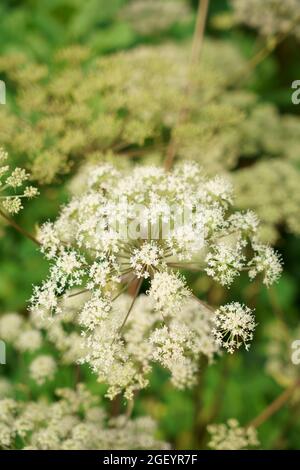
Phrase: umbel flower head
(59, 109)
(122, 356)
(61, 333)
(10, 183)
(155, 16)
(75, 421)
(269, 17)
(144, 226)
(42, 368)
(234, 326)
(231, 436)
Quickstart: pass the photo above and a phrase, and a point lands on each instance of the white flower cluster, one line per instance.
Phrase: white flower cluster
(61, 334)
(62, 331)
(234, 325)
(231, 436)
(169, 292)
(11, 180)
(270, 16)
(23, 336)
(266, 261)
(74, 422)
(123, 356)
(145, 225)
(18, 332)
(42, 368)
(155, 16)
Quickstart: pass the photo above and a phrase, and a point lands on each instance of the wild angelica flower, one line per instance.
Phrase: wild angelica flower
(145, 226)
(168, 293)
(269, 17)
(63, 119)
(75, 421)
(271, 188)
(231, 436)
(235, 125)
(29, 340)
(156, 16)
(124, 357)
(59, 334)
(234, 325)
(225, 262)
(265, 261)
(60, 109)
(42, 369)
(61, 331)
(11, 325)
(10, 181)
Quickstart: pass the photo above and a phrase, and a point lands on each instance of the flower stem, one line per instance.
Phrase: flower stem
(195, 54)
(274, 406)
(18, 228)
(199, 30)
(136, 293)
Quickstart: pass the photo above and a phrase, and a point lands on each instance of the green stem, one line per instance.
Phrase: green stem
(18, 228)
